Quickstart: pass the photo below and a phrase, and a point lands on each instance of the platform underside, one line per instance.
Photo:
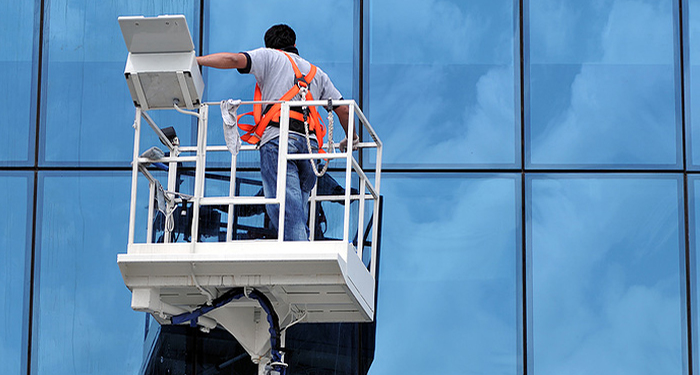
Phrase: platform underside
(322, 281)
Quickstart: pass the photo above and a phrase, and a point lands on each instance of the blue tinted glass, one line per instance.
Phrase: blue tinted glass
(83, 321)
(606, 293)
(602, 84)
(443, 80)
(693, 80)
(87, 111)
(448, 275)
(16, 63)
(14, 266)
(694, 216)
(324, 31)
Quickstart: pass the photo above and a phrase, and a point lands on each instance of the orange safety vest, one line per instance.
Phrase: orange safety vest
(255, 131)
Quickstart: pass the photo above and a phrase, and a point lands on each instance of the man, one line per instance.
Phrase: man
(274, 74)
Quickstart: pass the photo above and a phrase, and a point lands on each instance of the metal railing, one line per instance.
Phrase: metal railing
(368, 185)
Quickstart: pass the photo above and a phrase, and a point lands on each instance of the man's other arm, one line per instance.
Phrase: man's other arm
(223, 60)
(343, 113)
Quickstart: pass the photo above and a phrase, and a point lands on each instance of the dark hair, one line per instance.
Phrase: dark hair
(280, 36)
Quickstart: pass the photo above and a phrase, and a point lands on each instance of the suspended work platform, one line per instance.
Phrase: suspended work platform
(323, 280)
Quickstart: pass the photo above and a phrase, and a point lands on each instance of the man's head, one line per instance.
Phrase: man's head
(280, 36)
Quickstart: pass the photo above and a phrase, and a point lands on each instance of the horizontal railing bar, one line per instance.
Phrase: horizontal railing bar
(168, 159)
(341, 155)
(214, 201)
(333, 198)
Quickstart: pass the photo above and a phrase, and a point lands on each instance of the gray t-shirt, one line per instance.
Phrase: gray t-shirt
(275, 76)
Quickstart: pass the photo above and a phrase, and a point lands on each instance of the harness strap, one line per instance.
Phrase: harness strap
(255, 131)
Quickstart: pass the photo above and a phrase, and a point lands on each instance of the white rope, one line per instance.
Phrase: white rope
(302, 92)
(296, 320)
(169, 221)
(206, 293)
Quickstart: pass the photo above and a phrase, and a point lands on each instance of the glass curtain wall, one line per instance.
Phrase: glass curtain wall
(541, 174)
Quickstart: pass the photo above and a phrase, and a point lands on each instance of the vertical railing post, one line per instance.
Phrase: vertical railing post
(312, 211)
(134, 174)
(172, 186)
(377, 203)
(151, 208)
(282, 168)
(231, 194)
(348, 174)
(200, 166)
(361, 220)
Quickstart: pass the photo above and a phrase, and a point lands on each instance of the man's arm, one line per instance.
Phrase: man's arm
(343, 113)
(223, 60)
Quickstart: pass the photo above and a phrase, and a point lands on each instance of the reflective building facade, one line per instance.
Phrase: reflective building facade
(541, 183)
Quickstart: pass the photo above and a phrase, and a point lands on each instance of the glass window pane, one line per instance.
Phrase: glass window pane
(694, 225)
(14, 270)
(606, 294)
(17, 95)
(83, 321)
(692, 22)
(87, 111)
(327, 42)
(443, 76)
(448, 275)
(602, 84)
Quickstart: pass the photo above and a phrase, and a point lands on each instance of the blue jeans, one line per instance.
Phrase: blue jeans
(300, 180)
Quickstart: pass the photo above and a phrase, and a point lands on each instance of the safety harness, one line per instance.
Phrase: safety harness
(308, 115)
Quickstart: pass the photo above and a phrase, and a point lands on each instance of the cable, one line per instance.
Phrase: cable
(233, 294)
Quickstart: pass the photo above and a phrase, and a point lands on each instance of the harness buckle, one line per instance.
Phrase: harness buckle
(301, 82)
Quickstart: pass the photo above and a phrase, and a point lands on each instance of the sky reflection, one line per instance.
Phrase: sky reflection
(445, 85)
(84, 322)
(448, 275)
(617, 58)
(607, 250)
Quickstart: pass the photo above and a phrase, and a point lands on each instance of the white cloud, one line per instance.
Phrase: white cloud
(452, 256)
(620, 111)
(464, 220)
(426, 124)
(607, 251)
(488, 126)
(616, 115)
(639, 32)
(441, 31)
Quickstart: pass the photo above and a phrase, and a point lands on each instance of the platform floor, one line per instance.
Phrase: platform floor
(325, 279)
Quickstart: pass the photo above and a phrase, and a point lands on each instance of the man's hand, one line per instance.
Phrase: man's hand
(343, 145)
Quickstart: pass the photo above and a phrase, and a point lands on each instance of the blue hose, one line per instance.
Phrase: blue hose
(234, 294)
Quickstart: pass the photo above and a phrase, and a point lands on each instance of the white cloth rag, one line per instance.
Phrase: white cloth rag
(228, 113)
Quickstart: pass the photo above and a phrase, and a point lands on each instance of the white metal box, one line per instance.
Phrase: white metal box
(161, 69)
